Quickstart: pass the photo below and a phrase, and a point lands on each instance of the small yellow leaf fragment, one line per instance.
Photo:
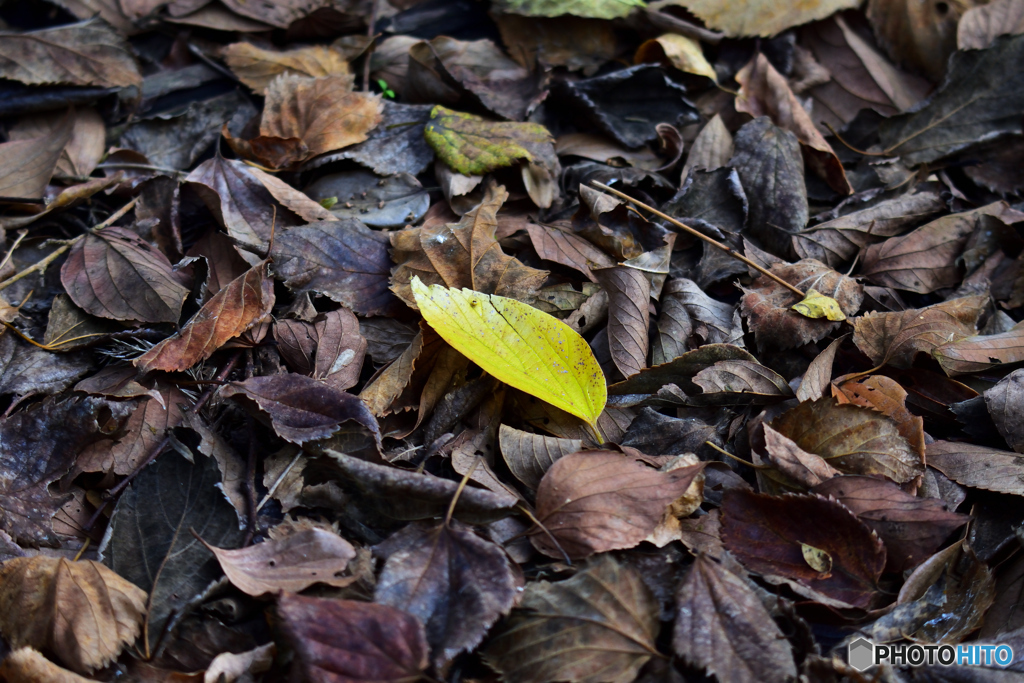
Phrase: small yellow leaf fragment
(682, 52)
(518, 345)
(819, 560)
(817, 305)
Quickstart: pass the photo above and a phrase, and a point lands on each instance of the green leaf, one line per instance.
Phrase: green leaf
(519, 345)
(593, 9)
(473, 146)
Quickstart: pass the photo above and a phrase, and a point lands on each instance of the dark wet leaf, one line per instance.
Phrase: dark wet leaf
(150, 544)
(343, 641)
(456, 583)
(300, 408)
(715, 197)
(37, 447)
(771, 168)
(767, 534)
(629, 103)
(389, 202)
(115, 274)
(27, 370)
(343, 260)
(1004, 402)
(600, 625)
(721, 625)
(396, 145)
(980, 98)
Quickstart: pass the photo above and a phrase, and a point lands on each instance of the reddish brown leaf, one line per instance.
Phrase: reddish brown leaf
(342, 641)
(529, 456)
(552, 243)
(113, 273)
(28, 164)
(243, 303)
(343, 260)
(596, 501)
(768, 534)
(456, 583)
(722, 626)
(299, 408)
(912, 528)
(629, 294)
(806, 469)
(889, 398)
(734, 382)
(766, 305)
(895, 338)
(765, 92)
(852, 439)
(926, 259)
(292, 563)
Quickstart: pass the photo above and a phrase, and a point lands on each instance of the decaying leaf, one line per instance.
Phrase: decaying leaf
(292, 563)
(456, 583)
(978, 466)
(980, 352)
(243, 303)
(257, 67)
(599, 625)
(81, 612)
(852, 439)
(348, 641)
(595, 501)
(767, 535)
(596, 9)
(473, 146)
(498, 335)
(722, 626)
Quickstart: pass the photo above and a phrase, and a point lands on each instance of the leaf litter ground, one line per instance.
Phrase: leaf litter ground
(523, 340)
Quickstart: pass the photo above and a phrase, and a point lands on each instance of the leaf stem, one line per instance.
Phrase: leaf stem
(696, 233)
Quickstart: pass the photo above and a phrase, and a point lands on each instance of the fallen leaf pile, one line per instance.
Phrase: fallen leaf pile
(533, 341)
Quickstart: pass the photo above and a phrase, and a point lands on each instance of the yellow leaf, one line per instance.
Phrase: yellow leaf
(818, 559)
(817, 305)
(519, 345)
(682, 52)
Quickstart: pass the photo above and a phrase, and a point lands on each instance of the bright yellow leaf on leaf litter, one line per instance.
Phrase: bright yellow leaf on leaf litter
(817, 305)
(518, 345)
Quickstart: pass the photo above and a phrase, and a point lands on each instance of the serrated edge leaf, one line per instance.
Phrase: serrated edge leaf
(568, 376)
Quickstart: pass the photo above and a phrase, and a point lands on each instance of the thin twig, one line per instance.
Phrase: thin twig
(696, 233)
(10, 252)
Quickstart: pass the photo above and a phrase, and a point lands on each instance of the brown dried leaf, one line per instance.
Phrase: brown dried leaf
(553, 243)
(912, 528)
(464, 254)
(343, 641)
(28, 164)
(722, 626)
(979, 467)
(1004, 402)
(927, 258)
(456, 583)
(895, 338)
(243, 303)
(854, 440)
(767, 535)
(629, 294)
(304, 117)
(838, 241)
(292, 563)
(340, 349)
(767, 304)
(600, 625)
(596, 501)
(86, 53)
(37, 447)
(887, 397)
(81, 612)
(921, 35)
(529, 456)
(82, 152)
(753, 382)
(765, 92)
(805, 469)
(28, 665)
(113, 273)
(981, 352)
(818, 376)
(980, 26)
(576, 43)
(690, 318)
(257, 67)
(299, 408)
